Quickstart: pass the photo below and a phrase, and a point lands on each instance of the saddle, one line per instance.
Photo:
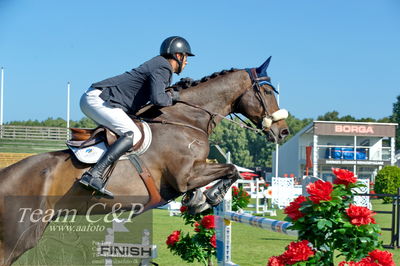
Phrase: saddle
(83, 137)
(89, 138)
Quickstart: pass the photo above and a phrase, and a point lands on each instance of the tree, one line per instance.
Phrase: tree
(231, 137)
(84, 123)
(395, 118)
(295, 125)
(58, 122)
(329, 116)
(260, 148)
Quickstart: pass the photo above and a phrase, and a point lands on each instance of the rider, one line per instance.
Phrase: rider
(109, 102)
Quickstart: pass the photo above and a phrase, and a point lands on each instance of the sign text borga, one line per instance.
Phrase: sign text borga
(354, 129)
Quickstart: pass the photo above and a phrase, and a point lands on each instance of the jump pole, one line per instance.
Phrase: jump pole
(223, 220)
(224, 217)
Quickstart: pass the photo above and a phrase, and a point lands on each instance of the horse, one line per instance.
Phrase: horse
(176, 159)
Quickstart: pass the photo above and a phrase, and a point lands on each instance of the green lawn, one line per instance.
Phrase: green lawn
(251, 246)
(30, 146)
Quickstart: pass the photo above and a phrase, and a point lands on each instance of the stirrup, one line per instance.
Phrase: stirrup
(85, 181)
(104, 192)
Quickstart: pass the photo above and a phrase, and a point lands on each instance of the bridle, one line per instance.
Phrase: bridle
(256, 83)
(268, 119)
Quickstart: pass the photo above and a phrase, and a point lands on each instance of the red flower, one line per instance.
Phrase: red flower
(235, 191)
(276, 261)
(347, 263)
(208, 222)
(360, 215)
(320, 191)
(243, 193)
(382, 257)
(173, 238)
(183, 209)
(293, 209)
(367, 261)
(213, 241)
(196, 227)
(297, 251)
(344, 176)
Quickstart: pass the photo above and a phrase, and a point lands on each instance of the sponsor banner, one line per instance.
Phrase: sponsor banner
(352, 162)
(354, 129)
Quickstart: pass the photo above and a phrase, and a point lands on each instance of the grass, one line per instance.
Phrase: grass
(250, 246)
(30, 146)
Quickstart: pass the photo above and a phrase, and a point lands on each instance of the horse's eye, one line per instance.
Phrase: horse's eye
(267, 91)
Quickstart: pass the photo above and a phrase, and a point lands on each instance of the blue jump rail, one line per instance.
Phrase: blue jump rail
(261, 222)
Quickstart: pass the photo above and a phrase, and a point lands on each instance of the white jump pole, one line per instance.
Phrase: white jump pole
(223, 227)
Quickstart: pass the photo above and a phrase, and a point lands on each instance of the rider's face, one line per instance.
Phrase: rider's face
(184, 60)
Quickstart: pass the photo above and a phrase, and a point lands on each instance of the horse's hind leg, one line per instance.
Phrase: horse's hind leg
(202, 175)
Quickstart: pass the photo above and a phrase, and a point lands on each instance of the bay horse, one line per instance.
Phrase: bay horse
(176, 158)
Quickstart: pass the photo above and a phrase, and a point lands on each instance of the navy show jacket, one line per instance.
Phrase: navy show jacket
(133, 89)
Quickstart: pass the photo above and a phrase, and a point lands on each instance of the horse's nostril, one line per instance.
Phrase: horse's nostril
(284, 133)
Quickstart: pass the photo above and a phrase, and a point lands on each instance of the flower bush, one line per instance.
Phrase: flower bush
(295, 252)
(328, 222)
(240, 198)
(201, 246)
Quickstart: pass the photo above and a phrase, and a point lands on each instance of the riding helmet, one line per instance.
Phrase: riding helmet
(175, 44)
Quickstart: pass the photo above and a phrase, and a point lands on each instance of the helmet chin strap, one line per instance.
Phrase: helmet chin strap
(180, 63)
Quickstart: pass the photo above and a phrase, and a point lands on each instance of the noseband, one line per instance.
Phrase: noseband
(257, 82)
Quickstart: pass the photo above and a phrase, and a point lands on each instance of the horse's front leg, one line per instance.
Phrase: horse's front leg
(201, 175)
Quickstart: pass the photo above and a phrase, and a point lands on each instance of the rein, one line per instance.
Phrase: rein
(255, 84)
(166, 122)
(213, 115)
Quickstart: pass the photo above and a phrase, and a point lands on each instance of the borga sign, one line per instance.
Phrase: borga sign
(354, 129)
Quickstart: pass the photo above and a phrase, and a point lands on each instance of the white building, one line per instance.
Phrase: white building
(363, 148)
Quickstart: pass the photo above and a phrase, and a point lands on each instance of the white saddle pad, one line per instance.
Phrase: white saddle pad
(93, 153)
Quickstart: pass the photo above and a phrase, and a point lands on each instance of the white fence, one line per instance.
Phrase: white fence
(33, 133)
(30, 139)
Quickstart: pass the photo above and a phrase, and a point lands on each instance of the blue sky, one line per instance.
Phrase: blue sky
(326, 55)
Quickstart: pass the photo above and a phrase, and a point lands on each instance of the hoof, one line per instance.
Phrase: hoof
(214, 198)
(196, 201)
(193, 198)
(199, 208)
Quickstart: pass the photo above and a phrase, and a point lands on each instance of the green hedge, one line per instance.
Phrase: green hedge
(387, 181)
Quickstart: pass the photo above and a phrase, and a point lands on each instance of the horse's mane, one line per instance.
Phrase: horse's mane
(152, 111)
(185, 83)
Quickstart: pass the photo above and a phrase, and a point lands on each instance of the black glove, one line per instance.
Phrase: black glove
(174, 95)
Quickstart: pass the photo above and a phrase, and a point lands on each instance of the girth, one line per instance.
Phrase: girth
(155, 198)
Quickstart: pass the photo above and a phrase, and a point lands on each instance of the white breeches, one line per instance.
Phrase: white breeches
(111, 117)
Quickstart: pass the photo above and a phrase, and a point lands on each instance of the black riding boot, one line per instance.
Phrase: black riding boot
(216, 193)
(93, 177)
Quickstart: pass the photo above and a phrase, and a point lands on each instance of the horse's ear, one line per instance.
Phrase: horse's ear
(262, 70)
